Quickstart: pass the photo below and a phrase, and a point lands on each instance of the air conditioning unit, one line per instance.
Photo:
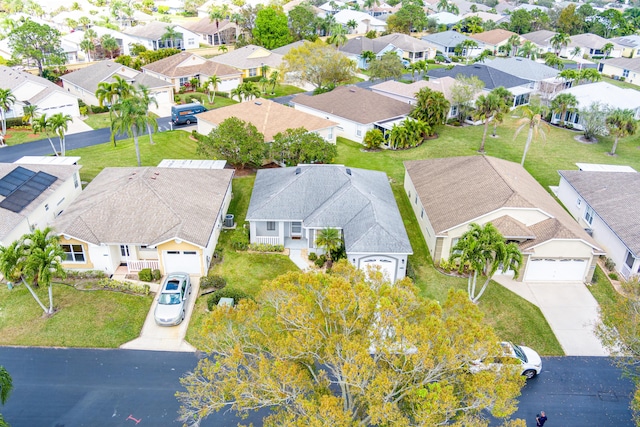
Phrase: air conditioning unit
(228, 220)
(589, 231)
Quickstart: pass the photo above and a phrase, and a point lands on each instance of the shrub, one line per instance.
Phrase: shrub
(212, 282)
(156, 275)
(609, 264)
(176, 99)
(145, 275)
(446, 265)
(411, 273)
(313, 256)
(96, 109)
(116, 285)
(433, 61)
(87, 274)
(226, 292)
(240, 239)
(613, 276)
(14, 122)
(84, 110)
(264, 247)
(322, 259)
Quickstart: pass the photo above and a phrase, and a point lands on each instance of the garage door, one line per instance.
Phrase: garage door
(387, 266)
(555, 270)
(182, 261)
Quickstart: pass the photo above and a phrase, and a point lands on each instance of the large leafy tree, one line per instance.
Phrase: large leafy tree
(36, 257)
(295, 146)
(272, 28)
(410, 17)
(388, 66)
(339, 349)
(569, 21)
(482, 251)
(7, 99)
(6, 385)
(302, 22)
(564, 102)
(593, 120)
(531, 120)
(431, 107)
(318, 64)
(235, 141)
(621, 123)
(463, 93)
(36, 43)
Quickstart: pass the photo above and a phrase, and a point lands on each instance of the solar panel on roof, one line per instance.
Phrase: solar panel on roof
(28, 191)
(14, 179)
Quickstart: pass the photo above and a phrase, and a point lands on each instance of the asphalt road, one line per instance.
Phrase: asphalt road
(78, 140)
(84, 387)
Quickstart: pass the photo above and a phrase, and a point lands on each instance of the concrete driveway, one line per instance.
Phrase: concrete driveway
(165, 338)
(570, 310)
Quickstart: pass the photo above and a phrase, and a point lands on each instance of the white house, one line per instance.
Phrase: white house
(290, 206)
(605, 200)
(152, 36)
(365, 21)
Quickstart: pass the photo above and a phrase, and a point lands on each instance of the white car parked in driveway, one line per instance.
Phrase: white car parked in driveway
(530, 361)
(172, 302)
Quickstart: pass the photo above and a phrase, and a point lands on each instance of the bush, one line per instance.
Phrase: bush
(96, 109)
(240, 239)
(226, 292)
(87, 274)
(212, 282)
(613, 276)
(116, 285)
(313, 256)
(145, 275)
(84, 110)
(411, 273)
(14, 122)
(433, 61)
(322, 259)
(264, 247)
(609, 264)
(156, 275)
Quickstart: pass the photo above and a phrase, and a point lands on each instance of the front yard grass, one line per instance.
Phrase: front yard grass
(97, 319)
(98, 121)
(619, 83)
(24, 134)
(203, 98)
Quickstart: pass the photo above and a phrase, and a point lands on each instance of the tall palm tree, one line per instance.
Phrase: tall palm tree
(59, 124)
(170, 35)
(564, 102)
(132, 118)
(589, 75)
(368, 56)
(329, 239)
(443, 5)
(560, 40)
(507, 98)
(7, 99)
(621, 123)
(352, 24)
(29, 112)
(212, 86)
(514, 42)
(466, 47)
(87, 46)
(487, 106)
(532, 119)
(237, 91)
(147, 100)
(110, 94)
(575, 52)
(483, 251)
(249, 90)
(338, 36)
(431, 107)
(606, 49)
(109, 44)
(41, 124)
(273, 80)
(568, 75)
(45, 263)
(528, 50)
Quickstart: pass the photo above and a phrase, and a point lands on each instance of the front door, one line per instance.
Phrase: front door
(296, 230)
(124, 254)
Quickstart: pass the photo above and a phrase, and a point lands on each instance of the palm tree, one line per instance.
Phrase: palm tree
(589, 75)
(568, 75)
(554, 61)
(212, 86)
(352, 24)
(88, 46)
(442, 5)
(528, 50)
(45, 263)
(249, 89)
(59, 124)
(398, 137)
(621, 123)
(564, 102)
(329, 239)
(111, 93)
(575, 52)
(483, 251)
(109, 44)
(431, 107)
(6, 385)
(531, 118)
(606, 49)
(466, 47)
(514, 42)
(237, 91)
(560, 40)
(368, 56)
(507, 98)
(483, 55)
(7, 99)
(147, 100)
(338, 35)
(223, 48)
(273, 80)
(487, 106)
(171, 35)
(133, 117)
(29, 112)
(41, 124)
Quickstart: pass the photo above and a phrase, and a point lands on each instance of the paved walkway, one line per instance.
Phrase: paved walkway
(296, 256)
(77, 125)
(570, 310)
(165, 338)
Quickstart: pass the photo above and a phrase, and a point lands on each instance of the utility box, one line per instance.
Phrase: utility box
(228, 220)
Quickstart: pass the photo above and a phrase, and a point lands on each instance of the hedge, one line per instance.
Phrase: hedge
(116, 285)
(226, 292)
(265, 247)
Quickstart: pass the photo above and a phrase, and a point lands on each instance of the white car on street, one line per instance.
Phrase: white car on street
(529, 360)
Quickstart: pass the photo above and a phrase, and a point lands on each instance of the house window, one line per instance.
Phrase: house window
(454, 111)
(588, 215)
(454, 242)
(625, 73)
(46, 207)
(124, 250)
(73, 253)
(253, 72)
(191, 41)
(75, 180)
(579, 202)
(416, 200)
(629, 260)
(60, 201)
(421, 213)
(271, 225)
(184, 81)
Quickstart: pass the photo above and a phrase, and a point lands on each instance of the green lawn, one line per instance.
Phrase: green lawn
(17, 136)
(218, 102)
(624, 85)
(282, 90)
(85, 318)
(98, 121)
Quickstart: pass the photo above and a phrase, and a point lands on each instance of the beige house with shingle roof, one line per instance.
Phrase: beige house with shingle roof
(493, 39)
(151, 217)
(355, 109)
(270, 118)
(250, 59)
(180, 68)
(448, 194)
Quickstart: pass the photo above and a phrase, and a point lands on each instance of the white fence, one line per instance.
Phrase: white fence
(267, 240)
(138, 265)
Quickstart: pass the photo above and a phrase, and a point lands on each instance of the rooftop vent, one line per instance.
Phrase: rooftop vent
(352, 90)
(258, 103)
(298, 170)
(348, 171)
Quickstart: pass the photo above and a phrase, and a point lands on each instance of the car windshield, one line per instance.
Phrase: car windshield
(520, 353)
(169, 299)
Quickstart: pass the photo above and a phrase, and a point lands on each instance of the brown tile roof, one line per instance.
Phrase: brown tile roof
(457, 190)
(355, 104)
(269, 117)
(188, 64)
(511, 228)
(493, 36)
(147, 206)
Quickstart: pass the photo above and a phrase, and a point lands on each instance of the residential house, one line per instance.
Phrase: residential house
(407, 92)
(604, 93)
(32, 195)
(150, 217)
(626, 69)
(153, 36)
(84, 82)
(181, 68)
(447, 19)
(270, 118)
(494, 40)
(214, 32)
(449, 194)
(283, 50)
(492, 78)
(542, 39)
(332, 7)
(365, 21)
(591, 45)
(414, 49)
(250, 59)
(290, 206)
(355, 46)
(524, 68)
(630, 45)
(356, 110)
(485, 16)
(383, 10)
(605, 201)
(34, 90)
(447, 41)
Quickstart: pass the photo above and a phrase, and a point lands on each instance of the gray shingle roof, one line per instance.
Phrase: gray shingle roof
(147, 206)
(11, 79)
(355, 104)
(523, 68)
(540, 37)
(447, 38)
(632, 64)
(491, 77)
(361, 204)
(359, 44)
(153, 30)
(406, 42)
(614, 197)
(88, 78)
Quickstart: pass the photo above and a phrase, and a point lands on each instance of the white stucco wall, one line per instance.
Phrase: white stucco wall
(423, 220)
(346, 128)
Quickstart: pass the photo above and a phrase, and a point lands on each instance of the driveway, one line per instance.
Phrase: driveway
(165, 338)
(570, 310)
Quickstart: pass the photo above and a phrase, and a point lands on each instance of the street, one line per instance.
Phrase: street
(86, 387)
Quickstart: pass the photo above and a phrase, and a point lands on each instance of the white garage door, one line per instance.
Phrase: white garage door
(181, 261)
(555, 270)
(387, 266)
